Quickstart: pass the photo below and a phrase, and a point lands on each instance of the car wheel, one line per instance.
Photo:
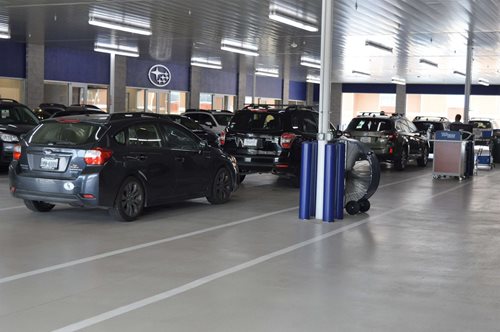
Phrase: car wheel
(352, 207)
(129, 202)
(38, 206)
(403, 160)
(220, 192)
(422, 161)
(364, 205)
(241, 178)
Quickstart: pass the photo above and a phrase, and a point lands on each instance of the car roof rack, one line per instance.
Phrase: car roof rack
(9, 100)
(373, 114)
(285, 107)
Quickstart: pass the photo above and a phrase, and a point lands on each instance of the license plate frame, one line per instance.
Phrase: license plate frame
(49, 164)
(250, 142)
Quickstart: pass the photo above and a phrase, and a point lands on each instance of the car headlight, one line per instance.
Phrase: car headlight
(8, 138)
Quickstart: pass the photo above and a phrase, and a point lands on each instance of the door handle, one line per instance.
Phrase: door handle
(179, 159)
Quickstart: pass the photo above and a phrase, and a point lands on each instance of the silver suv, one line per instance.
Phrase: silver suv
(215, 121)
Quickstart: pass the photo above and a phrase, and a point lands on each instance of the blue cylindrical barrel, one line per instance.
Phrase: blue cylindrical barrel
(305, 181)
(339, 181)
(314, 174)
(329, 194)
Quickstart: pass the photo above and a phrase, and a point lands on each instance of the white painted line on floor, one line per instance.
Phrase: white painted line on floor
(137, 247)
(146, 245)
(12, 208)
(204, 280)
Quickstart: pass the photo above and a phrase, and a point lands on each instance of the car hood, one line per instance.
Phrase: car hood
(15, 129)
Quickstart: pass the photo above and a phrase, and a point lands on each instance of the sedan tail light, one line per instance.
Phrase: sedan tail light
(222, 138)
(98, 156)
(17, 152)
(287, 140)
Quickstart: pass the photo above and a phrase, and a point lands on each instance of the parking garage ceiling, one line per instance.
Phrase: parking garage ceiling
(409, 30)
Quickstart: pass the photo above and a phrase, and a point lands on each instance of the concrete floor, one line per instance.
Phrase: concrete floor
(425, 258)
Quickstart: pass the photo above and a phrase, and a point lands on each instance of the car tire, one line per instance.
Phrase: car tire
(221, 188)
(241, 178)
(38, 206)
(364, 205)
(402, 161)
(352, 207)
(129, 202)
(423, 160)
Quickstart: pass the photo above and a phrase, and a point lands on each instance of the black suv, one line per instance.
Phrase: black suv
(123, 161)
(266, 138)
(15, 120)
(428, 125)
(393, 138)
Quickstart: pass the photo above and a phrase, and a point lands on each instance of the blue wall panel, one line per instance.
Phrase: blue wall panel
(72, 65)
(137, 74)
(12, 59)
(368, 88)
(218, 81)
(269, 87)
(441, 89)
(316, 94)
(298, 90)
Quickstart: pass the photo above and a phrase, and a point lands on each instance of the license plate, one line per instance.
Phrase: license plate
(365, 139)
(49, 163)
(250, 142)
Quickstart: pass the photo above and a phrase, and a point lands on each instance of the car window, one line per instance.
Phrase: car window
(180, 139)
(223, 119)
(57, 133)
(17, 115)
(306, 122)
(256, 121)
(144, 135)
(411, 127)
(369, 124)
(202, 118)
(400, 126)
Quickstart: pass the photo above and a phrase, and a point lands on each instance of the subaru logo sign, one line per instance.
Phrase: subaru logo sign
(159, 75)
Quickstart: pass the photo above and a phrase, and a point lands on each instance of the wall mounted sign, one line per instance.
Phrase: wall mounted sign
(159, 76)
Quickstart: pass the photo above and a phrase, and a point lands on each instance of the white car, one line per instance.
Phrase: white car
(215, 121)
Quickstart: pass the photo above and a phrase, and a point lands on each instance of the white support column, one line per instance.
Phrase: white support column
(242, 81)
(468, 80)
(285, 93)
(324, 99)
(111, 90)
(400, 99)
(336, 104)
(310, 94)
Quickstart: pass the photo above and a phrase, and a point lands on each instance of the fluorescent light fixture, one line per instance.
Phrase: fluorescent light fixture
(4, 27)
(120, 21)
(313, 79)
(117, 49)
(310, 62)
(267, 72)
(397, 80)
(239, 47)
(456, 72)
(292, 17)
(206, 63)
(361, 73)
(429, 63)
(483, 81)
(379, 46)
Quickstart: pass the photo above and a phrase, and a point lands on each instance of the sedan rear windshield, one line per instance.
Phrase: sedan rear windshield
(370, 124)
(223, 119)
(424, 125)
(250, 121)
(57, 133)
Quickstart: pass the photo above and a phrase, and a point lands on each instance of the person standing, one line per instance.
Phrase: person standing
(458, 118)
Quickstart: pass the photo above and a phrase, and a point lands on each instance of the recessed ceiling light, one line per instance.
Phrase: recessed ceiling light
(117, 49)
(292, 17)
(310, 62)
(313, 79)
(270, 72)
(379, 46)
(429, 63)
(119, 21)
(206, 63)
(397, 80)
(239, 47)
(361, 73)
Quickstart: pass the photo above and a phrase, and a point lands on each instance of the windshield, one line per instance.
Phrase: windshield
(370, 124)
(424, 126)
(17, 114)
(57, 133)
(263, 121)
(223, 119)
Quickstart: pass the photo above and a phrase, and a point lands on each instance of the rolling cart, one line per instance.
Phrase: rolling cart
(483, 147)
(453, 154)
